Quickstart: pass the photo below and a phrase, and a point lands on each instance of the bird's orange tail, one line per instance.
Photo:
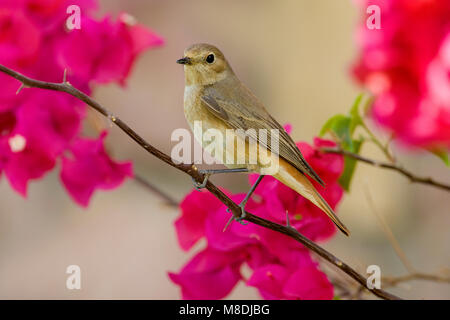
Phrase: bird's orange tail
(297, 181)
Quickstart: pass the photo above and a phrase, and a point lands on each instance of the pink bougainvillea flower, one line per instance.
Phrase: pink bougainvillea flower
(308, 283)
(237, 236)
(90, 168)
(201, 214)
(210, 274)
(49, 121)
(329, 166)
(23, 161)
(36, 134)
(49, 15)
(275, 282)
(8, 98)
(40, 129)
(20, 39)
(281, 267)
(190, 225)
(105, 51)
(406, 65)
(269, 280)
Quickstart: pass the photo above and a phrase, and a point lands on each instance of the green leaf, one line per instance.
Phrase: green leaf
(343, 127)
(349, 167)
(340, 126)
(329, 124)
(368, 105)
(354, 114)
(442, 154)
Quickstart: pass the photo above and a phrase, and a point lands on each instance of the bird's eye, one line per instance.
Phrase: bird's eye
(210, 58)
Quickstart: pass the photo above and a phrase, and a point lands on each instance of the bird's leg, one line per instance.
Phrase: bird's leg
(209, 172)
(243, 203)
(248, 195)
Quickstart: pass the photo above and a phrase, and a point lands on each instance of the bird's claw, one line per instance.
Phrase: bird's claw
(238, 219)
(243, 214)
(199, 186)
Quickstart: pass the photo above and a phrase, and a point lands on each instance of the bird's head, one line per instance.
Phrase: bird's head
(204, 64)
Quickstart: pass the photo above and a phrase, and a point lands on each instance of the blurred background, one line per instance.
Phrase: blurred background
(295, 56)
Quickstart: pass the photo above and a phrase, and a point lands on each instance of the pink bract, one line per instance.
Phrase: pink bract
(281, 267)
(406, 65)
(40, 129)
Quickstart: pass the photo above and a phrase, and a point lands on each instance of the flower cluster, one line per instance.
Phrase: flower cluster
(406, 65)
(39, 129)
(281, 267)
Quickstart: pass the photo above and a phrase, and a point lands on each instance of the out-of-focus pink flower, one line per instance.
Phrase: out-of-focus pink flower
(49, 121)
(36, 134)
(23, 161)
(38, 128)
(282, 268)
(91, 169)
(308, 283)
(406, 65)
(275, 282)
(20, 39)
(105, 51)
(190, 225)
(210, 274)
(49, 15)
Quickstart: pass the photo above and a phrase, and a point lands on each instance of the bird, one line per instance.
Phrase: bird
(216, 98)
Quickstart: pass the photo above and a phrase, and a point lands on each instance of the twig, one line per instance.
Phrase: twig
(346, 289)
(357, 294)
(387, 231)
(373, 138)
(167, 198)
(342, 290)
(392, 281)
(411, 176)
(192, 171)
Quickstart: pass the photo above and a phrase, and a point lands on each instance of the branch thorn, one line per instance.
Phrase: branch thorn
(22, 85)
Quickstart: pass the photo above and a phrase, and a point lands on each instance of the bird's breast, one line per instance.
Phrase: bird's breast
(201, 120)
(195, 111)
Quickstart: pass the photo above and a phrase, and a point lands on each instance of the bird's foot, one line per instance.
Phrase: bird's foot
(208, 172)
(243, 213)
(238, 219)
(199, 186)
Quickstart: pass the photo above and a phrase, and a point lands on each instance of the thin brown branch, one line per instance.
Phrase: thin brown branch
(154, 189)
(393, 281)
(388, 231)
(411, 176)
(192, 171)
(351, 290)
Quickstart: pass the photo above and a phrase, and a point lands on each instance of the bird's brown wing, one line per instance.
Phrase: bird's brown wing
(240, 109)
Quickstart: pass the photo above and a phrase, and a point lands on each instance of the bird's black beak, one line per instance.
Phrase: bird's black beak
(184, 60)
